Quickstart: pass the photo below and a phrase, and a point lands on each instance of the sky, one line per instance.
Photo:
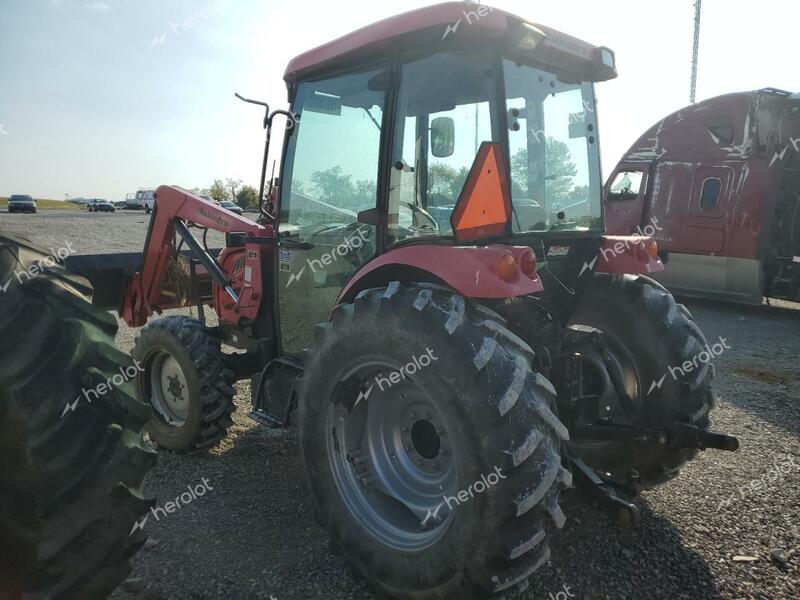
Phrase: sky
(99, 98)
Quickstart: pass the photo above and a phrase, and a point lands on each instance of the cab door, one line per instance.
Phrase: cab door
(330, 176)
(625, 198)
(704, 226)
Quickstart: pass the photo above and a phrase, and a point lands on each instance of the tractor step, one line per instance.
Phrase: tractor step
(263, 418)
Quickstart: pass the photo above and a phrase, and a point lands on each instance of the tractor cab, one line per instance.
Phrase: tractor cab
(389, 124)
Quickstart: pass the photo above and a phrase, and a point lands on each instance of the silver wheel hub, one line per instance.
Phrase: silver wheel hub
(169, 392)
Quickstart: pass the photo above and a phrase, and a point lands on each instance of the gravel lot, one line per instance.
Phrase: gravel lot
(728, 527)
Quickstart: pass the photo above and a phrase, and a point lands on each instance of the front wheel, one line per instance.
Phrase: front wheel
(649, 338)
(430, 446)
(185, 379)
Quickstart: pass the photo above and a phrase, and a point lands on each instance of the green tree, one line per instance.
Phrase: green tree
(333, 187)
(364, 194)
(558, 166)
(247, 197)
(233, 186)
(218, 192)
(578, 194)
(441, 180)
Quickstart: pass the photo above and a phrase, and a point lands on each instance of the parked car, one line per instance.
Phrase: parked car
(719, 184)
(101, 206)
(21, 203)
(232, 206)
(144, 198)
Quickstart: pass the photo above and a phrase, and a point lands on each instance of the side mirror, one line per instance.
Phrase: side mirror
(443, 137)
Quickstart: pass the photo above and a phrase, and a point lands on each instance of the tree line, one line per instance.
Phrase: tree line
(234, 190)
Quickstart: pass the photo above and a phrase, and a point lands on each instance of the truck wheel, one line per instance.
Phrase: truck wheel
(647, 333)
(71, 471)
(430, 447)
(185, 380)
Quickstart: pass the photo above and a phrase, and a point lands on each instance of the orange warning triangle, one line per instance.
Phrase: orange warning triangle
(483, 208)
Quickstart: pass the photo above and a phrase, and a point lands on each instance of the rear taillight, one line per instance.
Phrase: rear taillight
(647, 250)
(507, 266)
(652, 249)
(527, 263)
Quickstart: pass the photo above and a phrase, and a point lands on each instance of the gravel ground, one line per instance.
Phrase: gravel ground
(728, 527)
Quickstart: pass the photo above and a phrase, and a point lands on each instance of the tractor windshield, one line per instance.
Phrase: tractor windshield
(554, 162)
(449, 103)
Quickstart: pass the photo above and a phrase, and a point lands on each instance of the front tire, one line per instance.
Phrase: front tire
(187, 383)
(647, 330)
(71, 469)
(394, 470)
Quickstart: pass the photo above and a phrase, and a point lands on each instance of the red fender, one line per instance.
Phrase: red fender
(628, 254)
(470, 270)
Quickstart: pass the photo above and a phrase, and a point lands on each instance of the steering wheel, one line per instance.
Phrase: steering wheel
(421, 211)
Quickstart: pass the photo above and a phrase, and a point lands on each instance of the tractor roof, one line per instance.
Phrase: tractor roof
(444, 20)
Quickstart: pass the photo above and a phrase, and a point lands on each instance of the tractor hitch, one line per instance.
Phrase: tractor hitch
(603, 495)
(680, 435)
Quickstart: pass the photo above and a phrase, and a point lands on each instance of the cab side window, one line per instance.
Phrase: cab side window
(709, 198)
(626, 186)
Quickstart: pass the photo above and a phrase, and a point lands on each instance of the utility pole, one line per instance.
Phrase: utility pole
(695, 51)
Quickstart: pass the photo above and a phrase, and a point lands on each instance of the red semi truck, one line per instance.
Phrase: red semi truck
(719, 183)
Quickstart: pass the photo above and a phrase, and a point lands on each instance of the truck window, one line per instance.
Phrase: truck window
(626, 186)
(721, 128)
(709, 198)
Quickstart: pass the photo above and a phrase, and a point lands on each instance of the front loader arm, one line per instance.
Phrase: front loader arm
(173, 210)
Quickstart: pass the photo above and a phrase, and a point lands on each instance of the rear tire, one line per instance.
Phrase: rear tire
(187, 383)
(477, 411)
(71, 471)
(657, 333)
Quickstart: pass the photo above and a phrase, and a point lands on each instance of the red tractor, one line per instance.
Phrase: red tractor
(431, 300)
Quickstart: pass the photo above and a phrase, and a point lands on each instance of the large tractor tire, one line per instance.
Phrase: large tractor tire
(71, 470)
(430, 446)
(186, 381)
(648, 334)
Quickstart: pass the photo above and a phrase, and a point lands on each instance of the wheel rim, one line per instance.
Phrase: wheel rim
(600, 384)
(391, 458)
(169, 392)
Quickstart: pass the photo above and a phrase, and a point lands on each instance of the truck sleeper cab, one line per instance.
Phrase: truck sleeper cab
(719, 185)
